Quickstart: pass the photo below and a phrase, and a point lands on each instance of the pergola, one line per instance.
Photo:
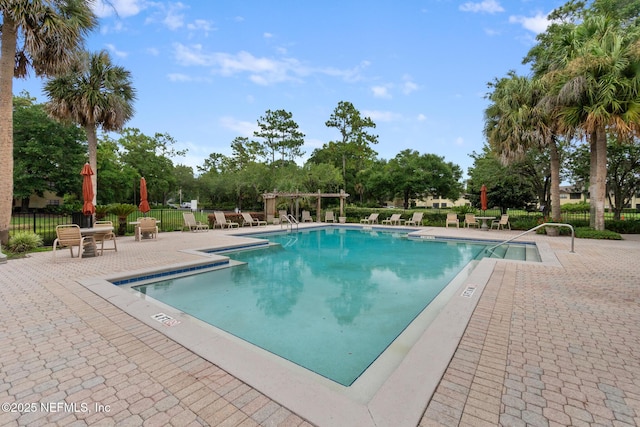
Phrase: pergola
(270, 201)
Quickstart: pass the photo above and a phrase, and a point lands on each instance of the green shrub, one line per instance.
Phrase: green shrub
(624, 227)
(575, 207)
(461, 210)
(24, 241)
(590, 233)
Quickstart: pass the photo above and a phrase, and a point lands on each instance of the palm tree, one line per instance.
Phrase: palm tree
(598, 91)
(41, 35)
(93, 93)
(519, 119)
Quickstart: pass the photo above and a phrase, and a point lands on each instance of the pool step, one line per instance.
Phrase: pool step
(516, 252)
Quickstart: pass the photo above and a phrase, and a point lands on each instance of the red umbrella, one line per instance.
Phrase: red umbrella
(483, 197)
(144, 204)
(87, 190)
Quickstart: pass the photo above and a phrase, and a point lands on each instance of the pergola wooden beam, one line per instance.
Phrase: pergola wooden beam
(270, 206)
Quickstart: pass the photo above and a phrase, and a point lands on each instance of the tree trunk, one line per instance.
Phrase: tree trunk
(593, 160)
(7, 62)
(92, 141)
(600, 186)
(556, 215)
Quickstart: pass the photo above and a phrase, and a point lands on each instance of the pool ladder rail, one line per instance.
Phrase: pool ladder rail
(289, 220)
(546, 224)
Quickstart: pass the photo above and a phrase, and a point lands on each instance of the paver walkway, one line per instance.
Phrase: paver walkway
(546, 346)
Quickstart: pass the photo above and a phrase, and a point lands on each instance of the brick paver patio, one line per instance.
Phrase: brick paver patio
(546, 346)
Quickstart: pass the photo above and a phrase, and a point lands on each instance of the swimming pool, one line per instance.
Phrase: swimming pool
(328, 299)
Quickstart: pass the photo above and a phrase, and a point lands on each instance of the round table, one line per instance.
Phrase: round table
(484, 219)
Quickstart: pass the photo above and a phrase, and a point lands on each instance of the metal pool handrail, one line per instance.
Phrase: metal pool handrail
(552, 224)
(290, 221)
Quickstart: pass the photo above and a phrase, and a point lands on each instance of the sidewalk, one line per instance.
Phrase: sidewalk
(545, 346)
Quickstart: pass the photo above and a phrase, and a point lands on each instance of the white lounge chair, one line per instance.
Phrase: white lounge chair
(452, 218)
(248, 219)
(371, 219)
(416, 219)
(470, 220)
(148, 227)
(306, 216)
(394, 219)
(192, 224)
(501, 223)
(328, 217)
(68, 236)
(223, 222)
(106, 236)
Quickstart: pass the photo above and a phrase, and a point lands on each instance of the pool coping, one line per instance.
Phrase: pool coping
(400, 399)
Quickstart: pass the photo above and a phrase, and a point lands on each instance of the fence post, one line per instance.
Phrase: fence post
(34, 222)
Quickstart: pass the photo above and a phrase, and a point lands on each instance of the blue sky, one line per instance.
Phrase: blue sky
(206, 71)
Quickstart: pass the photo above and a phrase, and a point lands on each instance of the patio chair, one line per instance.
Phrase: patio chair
(501, 223)
(452, 218)
(394, 219)
(470, 220)
(68, 236)
(106, 236)
(248, 219)
(192, 224)
(415, 219)
(328, 217)
(306, 216)
(223, 222)
(148, 228)
(371, 219)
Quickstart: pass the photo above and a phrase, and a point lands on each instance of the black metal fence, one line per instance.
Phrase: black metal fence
(44, 224)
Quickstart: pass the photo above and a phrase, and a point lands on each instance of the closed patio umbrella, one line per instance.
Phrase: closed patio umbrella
(87, 190)
(144, 204)
(483, 197)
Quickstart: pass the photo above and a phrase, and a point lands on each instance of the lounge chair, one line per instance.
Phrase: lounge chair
(416, 219)
(306, 216)
(470, 220)
(371, 219)
(394, 219)
(68, 236)
(148, 227)
(192, 224)
(222, 221)
(106, 236)
(501, 223)
(248, 219)
(452, 218)
(328, 217)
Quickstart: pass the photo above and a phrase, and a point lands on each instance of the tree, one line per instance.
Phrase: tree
(521, 118)
(509, 186)
(353, 151)
(47, 154)
(41, 36)
(598, 90)
(151, 157)
(414, 176)
(623, 171)
(93, 93)
(280, 134)
(118, 181)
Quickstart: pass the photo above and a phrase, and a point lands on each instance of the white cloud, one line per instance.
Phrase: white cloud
(537, 24)
(260, 70)
(115, 51)
(486, 6)
(182, 78)
(153, 51)
(459, 141)
(409, 86)
(380, 92)
(201, 25)
(421, 117)
(120, 8)
(267, 35)
(238, 126)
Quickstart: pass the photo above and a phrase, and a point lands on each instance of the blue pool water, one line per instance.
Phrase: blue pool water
(330, 299)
